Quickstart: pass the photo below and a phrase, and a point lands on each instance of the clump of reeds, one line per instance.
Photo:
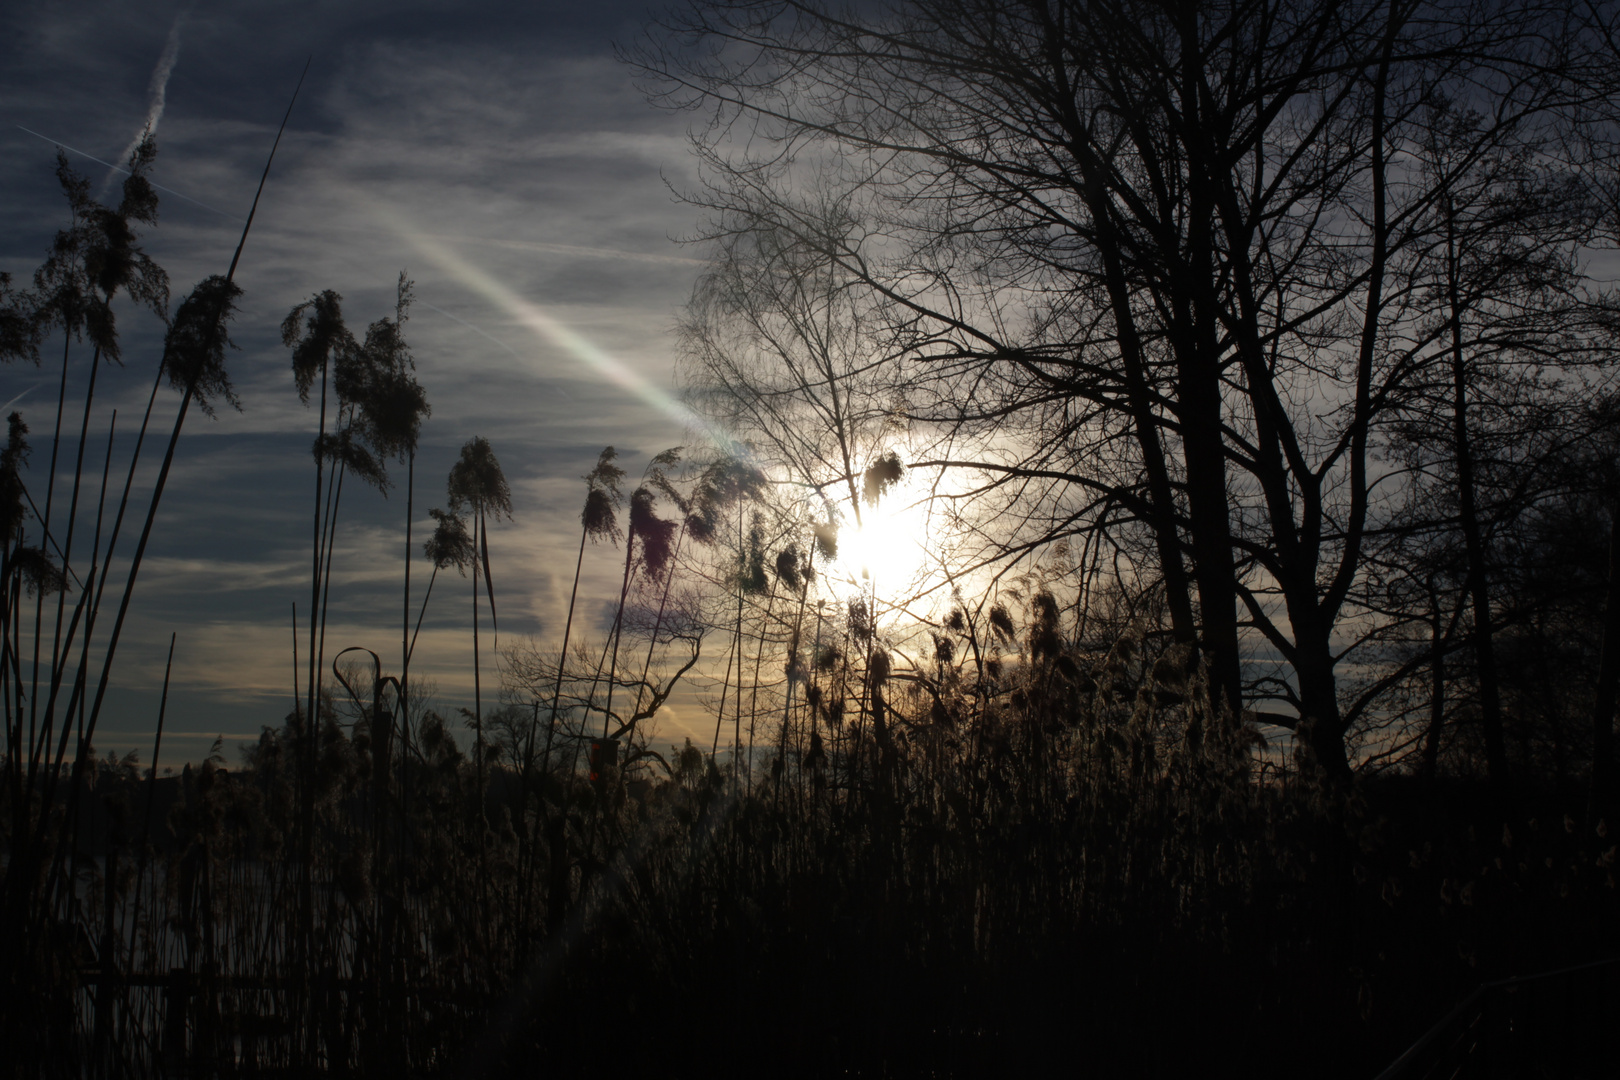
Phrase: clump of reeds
(963, 841)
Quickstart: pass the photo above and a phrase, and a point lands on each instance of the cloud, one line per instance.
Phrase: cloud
(508, 139)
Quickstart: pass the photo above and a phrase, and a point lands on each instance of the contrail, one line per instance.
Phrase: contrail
(115, 168)
(578, 249)
(484, 333)
(157, 92)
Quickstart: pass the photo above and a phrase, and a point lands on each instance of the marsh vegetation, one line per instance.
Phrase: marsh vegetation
(1152, 574)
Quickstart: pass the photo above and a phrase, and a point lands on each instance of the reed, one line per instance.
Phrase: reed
(1009, 832)
(43, 904)
(1081, 842)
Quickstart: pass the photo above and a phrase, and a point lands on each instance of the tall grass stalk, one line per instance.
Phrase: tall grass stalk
(36, 895)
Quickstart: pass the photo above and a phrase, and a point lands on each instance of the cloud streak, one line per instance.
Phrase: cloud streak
(157, 92)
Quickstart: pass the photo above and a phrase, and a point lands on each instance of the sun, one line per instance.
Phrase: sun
(888, 551)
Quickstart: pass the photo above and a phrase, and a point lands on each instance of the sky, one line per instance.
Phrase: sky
(497, 153)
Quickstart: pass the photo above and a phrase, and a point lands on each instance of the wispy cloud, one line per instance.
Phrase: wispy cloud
(511, 168)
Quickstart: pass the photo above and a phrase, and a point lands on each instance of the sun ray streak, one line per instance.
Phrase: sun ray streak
(589, 356)
(481, 332)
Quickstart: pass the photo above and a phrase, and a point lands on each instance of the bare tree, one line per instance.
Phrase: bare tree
(1194, 241)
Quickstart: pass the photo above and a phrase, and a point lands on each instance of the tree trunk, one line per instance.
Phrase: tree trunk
(1437, 689)
(1490, 701)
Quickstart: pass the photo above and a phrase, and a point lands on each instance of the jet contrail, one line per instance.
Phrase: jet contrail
(115, 168)
(484, 333)
(157, 92)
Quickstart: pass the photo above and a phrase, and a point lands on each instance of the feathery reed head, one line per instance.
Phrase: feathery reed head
(884, 473)
(393, 412)
(450, 544)
(98, 255)
(787, 569)
(314, 331)
(12, 510)
(826, 534)
(476, 482)
(352, 454)
(598, 517)
(39, 574)
(860, 620)
(1001, 622)
(194, 351)
(20, 330)
(657, 535)
(606, 475)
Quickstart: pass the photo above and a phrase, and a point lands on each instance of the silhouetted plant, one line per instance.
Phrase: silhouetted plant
(450, 545)
(598, 522)
(316, 333)
(395, 407)
(657, 538)
(42, 904)
(478, 486)
(20, 330)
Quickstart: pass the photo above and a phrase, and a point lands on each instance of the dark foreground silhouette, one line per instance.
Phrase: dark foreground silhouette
(1093, 882)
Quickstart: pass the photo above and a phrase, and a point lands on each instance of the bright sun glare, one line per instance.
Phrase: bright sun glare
(888, 550)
